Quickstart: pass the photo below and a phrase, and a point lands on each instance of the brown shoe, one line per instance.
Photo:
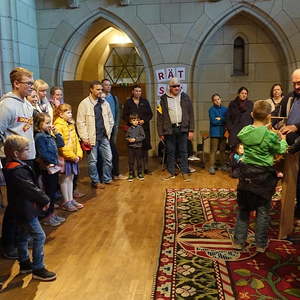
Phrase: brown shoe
(98, 185)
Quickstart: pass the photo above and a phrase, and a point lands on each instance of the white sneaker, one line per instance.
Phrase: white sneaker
(193, 157)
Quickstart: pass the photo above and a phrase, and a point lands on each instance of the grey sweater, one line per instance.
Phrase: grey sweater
(16, 117)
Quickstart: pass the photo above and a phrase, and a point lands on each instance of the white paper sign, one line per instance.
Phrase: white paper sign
(180, 73)
(161, 75)
(170, 73)
(161, 89)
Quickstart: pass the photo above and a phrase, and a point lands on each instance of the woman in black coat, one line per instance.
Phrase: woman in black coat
(141, 107)
(238, 116)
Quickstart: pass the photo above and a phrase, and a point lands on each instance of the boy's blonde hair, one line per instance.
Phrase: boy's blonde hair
(14, 143)
(40, 84)
(17, 74)
(261, 110)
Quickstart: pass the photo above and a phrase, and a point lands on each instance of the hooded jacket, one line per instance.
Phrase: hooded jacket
(260, 145)
(25, 198)
(71, 149)
(16, 117)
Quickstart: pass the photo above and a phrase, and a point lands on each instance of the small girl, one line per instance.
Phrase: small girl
(47, 140)
(71, 153)
(236, 159)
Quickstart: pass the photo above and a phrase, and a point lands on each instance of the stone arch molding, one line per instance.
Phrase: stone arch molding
(63, 54)
(197, 37)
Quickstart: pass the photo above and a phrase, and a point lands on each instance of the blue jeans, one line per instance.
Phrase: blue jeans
(176, 147)
(261, 229)
(26, 230)
(100, 150)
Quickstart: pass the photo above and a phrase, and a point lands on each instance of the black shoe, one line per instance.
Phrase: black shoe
(10, 253)
(25, 267)
(43, 275)
(147, 172)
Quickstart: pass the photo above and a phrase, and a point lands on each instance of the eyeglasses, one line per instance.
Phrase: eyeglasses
(29, 83)
(175, 86)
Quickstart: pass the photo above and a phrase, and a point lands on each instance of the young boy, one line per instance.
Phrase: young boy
(135, 135)
(256, 169)
(26, 200)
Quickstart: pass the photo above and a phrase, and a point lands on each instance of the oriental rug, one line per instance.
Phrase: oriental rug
(197, 260)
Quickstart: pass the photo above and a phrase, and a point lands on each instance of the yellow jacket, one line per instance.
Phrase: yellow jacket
(72, 148)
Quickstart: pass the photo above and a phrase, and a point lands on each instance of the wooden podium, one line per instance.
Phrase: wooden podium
(288, 196)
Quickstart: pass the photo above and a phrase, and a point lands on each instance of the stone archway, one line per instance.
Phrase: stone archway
(199, 39)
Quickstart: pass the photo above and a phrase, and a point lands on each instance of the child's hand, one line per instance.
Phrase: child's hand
(218, 118)
(46, 207)
(281, 135)
(131, 140)
(54, 130)
(77, 159)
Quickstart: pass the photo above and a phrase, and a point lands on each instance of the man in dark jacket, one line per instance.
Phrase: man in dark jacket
(290, 108)
(175, 125)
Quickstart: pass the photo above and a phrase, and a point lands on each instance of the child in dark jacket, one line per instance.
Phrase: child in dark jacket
(135, 136)
(47, 140)
(27, 202)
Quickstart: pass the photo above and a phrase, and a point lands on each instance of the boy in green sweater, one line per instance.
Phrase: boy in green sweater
(258, 179)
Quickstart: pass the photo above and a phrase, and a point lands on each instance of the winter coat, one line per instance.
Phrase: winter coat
(136, 132)
(217, 127)
(85, 121)
(260, 145)
(72, 149)
(237, 119)
(25, 198)
(46, 147)
(143, 110)
(164, 125)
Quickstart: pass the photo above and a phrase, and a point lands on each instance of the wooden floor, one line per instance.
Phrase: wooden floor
(109, 249)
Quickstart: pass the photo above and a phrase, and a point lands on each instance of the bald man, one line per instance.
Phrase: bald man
(290, 108)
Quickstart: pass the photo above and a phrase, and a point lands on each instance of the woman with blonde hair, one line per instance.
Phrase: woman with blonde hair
(44, 105)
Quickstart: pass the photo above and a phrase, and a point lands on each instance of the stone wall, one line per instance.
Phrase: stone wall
(18, 38)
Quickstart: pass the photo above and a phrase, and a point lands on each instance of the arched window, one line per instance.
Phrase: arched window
(239, 53)
(124, 65)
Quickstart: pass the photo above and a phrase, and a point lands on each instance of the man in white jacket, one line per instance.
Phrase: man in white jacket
(94, 124)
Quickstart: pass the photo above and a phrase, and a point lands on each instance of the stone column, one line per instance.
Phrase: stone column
(18, 39)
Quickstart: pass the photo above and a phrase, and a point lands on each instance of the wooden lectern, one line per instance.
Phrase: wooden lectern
(288, 196)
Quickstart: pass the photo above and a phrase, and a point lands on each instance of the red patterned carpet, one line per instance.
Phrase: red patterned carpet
(197, 260)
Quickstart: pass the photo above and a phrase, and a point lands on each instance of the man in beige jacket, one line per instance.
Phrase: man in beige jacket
(94, 124)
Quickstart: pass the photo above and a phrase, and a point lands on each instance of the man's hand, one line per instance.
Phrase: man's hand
(162, 137)
(141, 122)
(288, 128)
(191, 135)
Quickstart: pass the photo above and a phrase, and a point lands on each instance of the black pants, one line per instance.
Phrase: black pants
(115, 154)
(135, 155)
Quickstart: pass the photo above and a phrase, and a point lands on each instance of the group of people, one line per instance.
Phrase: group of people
(43, 146)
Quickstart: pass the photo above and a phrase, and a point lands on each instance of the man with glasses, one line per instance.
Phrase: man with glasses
(16, 117)
(175, 124)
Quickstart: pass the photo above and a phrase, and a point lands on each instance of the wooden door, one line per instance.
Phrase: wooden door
(123, 93)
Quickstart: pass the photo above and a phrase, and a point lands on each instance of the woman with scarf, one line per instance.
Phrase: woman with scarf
(238, 116)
